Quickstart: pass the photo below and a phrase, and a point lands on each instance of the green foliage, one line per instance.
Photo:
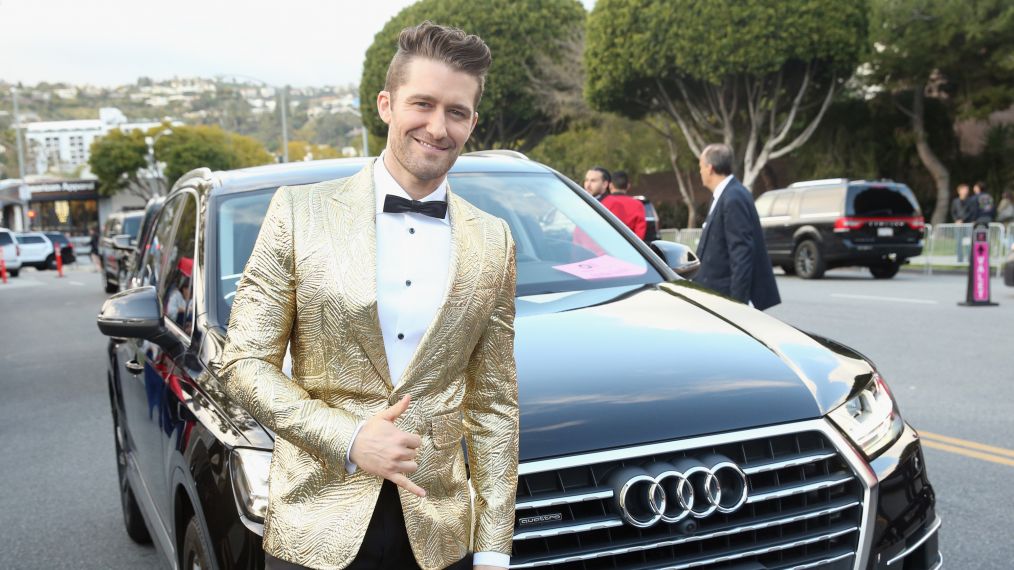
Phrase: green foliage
(518, 33)
(208, 146)
(634, 46)
(966, 49)
(116, 158)
(303, 150)
(607, 140)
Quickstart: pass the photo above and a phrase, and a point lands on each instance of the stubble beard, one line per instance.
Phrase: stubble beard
(417, 166)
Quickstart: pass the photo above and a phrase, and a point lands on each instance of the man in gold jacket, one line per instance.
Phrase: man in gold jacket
(396, 299)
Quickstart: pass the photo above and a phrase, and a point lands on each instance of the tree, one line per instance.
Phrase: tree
(207, 146)
(516, 111)
(121, 162)
(302, 150)
(756, 74)
(959, 53)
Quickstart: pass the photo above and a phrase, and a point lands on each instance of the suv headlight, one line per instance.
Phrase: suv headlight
(870, 418)
(250, 469)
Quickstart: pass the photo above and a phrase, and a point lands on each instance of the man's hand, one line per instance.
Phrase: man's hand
(386, 451)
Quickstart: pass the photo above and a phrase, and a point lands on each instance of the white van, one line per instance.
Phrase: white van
(10, 251)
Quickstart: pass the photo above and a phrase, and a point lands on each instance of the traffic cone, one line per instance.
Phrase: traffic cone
(59, 261)
(3, 267)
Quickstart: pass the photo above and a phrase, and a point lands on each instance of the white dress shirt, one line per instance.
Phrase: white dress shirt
(413, 266)
(717, 194)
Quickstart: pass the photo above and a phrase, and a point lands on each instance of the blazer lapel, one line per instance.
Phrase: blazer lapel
(468, 251)
(354, 236)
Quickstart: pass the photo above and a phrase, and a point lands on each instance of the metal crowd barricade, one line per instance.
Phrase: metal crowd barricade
(690, 237)
(949, 246)
(669, 234)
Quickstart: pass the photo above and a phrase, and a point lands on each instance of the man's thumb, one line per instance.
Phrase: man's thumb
(392, 413)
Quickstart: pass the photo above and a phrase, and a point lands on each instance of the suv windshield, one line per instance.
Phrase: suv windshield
(131, 225)
(563, 244)
(881, 202)
(5, 238)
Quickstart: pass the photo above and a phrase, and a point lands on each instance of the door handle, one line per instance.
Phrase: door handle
(134, 367)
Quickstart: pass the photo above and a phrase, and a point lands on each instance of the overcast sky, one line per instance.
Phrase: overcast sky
(110, 42)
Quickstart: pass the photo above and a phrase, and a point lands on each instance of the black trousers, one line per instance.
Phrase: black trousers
(385, 546)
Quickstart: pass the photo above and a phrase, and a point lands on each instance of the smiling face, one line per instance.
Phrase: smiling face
(430, 117)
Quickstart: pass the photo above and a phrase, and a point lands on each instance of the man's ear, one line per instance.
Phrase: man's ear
(384, 101)
(475, 121)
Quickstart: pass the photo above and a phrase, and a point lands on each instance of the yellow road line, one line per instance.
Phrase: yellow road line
(968, 444)
(968, 452)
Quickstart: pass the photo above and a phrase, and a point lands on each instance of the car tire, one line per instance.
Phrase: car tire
(133, 520)
(885, 270)
(110, 287)
(13, 272)
(808, 261)
(788, 268)
(50, 262)
(194, 554)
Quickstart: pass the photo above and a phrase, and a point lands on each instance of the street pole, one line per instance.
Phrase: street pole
(17, 135)
(285, 128)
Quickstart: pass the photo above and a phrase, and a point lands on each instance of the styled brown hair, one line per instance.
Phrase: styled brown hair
(461, 51)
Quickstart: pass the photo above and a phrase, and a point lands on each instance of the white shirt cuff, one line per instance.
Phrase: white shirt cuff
(349, 466)
(491, 559)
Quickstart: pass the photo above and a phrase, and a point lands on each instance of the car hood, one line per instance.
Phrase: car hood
(615, 367)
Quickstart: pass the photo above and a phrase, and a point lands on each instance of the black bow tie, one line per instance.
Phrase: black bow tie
(399, 205)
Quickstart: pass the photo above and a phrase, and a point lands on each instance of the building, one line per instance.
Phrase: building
(64, 146)
(48, 204)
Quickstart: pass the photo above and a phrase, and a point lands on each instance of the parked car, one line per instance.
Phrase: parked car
(67, 254)
(814, 226)
(36, 249)
(116, 247)
(793, 454)
(10, 251)
(651, 219)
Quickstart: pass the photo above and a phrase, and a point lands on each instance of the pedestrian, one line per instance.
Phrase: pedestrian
(596, 182)
(984, 204)
(388, 375)
(734, 257)
(1005, 210)
(93, 243)
(629, 210)
(960, 213)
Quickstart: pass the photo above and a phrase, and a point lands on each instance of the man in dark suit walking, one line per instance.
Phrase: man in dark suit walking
(734, 259)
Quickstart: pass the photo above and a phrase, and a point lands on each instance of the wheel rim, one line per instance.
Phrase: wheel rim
(804, 262)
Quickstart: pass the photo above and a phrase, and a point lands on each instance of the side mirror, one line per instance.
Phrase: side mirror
(122, 241)
(677, 256)
(136, 313)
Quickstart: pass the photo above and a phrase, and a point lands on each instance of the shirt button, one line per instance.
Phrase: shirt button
(411, 230)
(408, 283)
(401, 336)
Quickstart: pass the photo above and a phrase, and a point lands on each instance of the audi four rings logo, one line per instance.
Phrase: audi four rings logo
(671, 492)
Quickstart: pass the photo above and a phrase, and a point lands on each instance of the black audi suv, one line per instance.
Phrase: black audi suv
(662, 425)
(814, 226)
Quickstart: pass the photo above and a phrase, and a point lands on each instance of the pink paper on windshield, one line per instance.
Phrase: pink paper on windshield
(602, 267)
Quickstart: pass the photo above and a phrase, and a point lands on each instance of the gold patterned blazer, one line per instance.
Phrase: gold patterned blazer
(311, 282)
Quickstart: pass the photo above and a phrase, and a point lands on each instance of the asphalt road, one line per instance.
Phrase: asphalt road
(951, 368)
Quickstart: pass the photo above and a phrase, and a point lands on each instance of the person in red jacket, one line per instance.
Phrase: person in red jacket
(600, 184)
(629, 210)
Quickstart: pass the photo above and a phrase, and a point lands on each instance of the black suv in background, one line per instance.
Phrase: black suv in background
(650, 219)
(793, 454)
(116, 247)
(814, 226)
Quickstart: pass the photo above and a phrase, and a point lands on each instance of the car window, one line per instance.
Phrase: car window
(176, 290)
(563, 244)
(5, 239)
(780, 207)
(763, 203)
(881, 201)
(156, 248)
(131, 226)
(30, 240)
(58, 238)
(824, 202)
(112, 227)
